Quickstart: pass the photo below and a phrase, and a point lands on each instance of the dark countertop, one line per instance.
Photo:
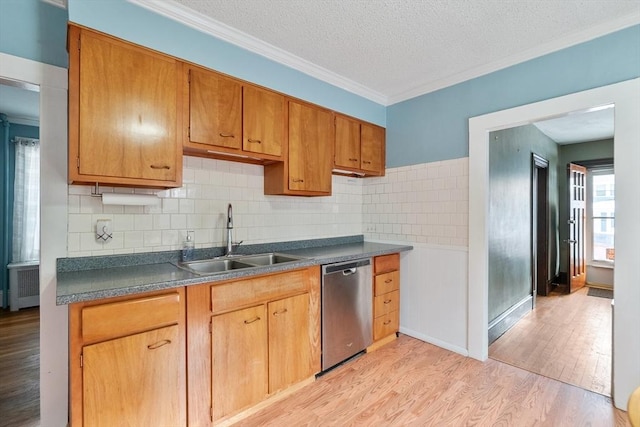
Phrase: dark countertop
(111, 280)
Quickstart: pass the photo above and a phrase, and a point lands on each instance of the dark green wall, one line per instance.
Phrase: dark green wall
(593, 150)
(510, 153)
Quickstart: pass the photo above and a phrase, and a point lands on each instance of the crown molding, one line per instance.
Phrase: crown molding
(541, 50)
(202, 23)
(217, 29)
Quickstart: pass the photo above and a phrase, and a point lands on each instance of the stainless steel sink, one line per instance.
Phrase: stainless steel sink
(211, 266)
(269, 259)
(221, 265)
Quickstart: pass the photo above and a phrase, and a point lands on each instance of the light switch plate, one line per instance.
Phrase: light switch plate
(103, 230)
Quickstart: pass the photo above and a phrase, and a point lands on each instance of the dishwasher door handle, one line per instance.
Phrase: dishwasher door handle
(349, 271)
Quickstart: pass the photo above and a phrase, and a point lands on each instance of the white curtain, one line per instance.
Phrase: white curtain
(26, 202)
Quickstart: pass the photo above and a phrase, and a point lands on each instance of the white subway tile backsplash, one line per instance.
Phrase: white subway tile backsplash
(426, 203)
(201, 204)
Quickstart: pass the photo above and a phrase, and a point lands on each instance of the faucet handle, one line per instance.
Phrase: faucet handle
(236, 244)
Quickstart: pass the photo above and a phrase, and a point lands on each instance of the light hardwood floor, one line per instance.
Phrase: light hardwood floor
(20, 368)
(412, 383)
(566, 337)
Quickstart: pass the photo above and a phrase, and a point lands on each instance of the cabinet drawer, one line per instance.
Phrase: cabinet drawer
(231, 295)
(118, 319)
(386, 282)
(386, 325)
(386, 303)
(385, 263)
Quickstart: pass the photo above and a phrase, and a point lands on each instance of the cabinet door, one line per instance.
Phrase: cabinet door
(310, 148)
(347, 144)
(372, 148)
(137, 379)
(215, 109)
(128, 112)
(263, 121)
(239, 360)
(289, 342)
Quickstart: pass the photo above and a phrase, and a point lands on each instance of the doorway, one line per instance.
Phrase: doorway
(20, 314)
(541, 285)
(626, 97)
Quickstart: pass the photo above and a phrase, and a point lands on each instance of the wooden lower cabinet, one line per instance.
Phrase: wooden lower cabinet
(289, 348)
(127, 361)
(134, 379)
(239, 359)
(386, 296)
(250, 339)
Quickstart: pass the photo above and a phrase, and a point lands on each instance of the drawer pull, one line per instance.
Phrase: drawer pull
(388, 281)
(387, 322)
(255, 319)
(387, 301)
(227, 135)
(353, 160)
(366, 162)
(254, 141)
(277, 313)
(158, 344)
(297, 180)
(159, 167)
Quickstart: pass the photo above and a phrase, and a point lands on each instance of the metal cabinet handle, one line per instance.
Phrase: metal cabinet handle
(159, 167)
(387, 301)
(277, 313)
(366, 162)
(388, 281)
(298, 180)
(353, 160)
(227, 135)
(255, 319)
(387, 322)
(256, 141)
(158, 344)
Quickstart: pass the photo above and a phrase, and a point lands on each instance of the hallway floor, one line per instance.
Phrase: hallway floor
(20, 367)
(567, 338)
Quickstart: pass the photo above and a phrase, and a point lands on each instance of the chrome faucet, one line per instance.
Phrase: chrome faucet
(230, 242)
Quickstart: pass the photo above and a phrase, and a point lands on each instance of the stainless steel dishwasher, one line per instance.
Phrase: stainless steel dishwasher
(346, 310)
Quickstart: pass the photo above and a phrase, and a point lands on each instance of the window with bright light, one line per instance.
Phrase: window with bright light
(603, 211)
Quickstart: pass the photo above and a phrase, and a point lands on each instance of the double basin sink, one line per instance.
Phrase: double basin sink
(237, 262)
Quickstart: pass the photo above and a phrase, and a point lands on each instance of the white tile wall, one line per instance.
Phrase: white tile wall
(426, 203)
(201, 205)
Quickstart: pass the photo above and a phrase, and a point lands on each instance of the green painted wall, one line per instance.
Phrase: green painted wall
(510, 153)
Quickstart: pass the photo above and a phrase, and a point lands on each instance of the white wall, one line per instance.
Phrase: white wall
(201, 205)
(427, 206)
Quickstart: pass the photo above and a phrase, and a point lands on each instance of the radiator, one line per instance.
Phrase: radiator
(24, 285)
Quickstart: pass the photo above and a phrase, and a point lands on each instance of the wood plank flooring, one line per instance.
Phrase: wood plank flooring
(567, 338)
(412, 383)
(20, 368)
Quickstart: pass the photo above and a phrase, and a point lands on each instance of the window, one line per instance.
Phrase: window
(602, 210)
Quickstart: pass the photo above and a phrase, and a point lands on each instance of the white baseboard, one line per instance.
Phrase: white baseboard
(435, 341)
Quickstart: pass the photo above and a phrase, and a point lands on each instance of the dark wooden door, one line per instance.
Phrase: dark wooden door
(577, 204)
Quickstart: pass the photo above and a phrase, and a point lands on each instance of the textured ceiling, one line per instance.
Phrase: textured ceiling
(398, 49)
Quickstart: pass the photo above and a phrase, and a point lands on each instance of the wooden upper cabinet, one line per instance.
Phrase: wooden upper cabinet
(264, 121)
(359, 147)
(124, 113)
(347, 143)
(372, 148)
(214, 113)
(307, 168)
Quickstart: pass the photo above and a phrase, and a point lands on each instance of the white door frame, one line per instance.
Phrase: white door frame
(626, 98)
(53, 227)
